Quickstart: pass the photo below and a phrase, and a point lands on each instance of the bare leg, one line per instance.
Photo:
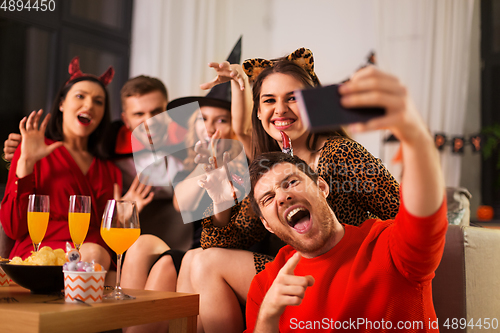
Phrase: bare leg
(140, 256)
(110, 278)
(184, 284)
(222, 277)
(162, 276)
(93, 251)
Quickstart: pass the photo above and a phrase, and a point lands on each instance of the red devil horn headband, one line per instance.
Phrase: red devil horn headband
(75, 72)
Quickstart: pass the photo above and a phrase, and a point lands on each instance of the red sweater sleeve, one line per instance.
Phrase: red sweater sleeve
(117, 176)
(252, 307)
(14, 208)
(417, 243)
(261, 284)
(256, 294)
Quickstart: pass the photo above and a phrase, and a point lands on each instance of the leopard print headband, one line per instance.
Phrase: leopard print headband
(302, 57)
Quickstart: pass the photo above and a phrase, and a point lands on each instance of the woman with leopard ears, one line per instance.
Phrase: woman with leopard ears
(360, 188)
(300, 66)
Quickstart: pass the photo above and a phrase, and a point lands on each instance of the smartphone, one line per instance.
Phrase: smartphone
(321, 110)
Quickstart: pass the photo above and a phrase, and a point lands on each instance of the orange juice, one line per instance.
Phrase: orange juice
(78, 226)
(37, 225)
(120, 239)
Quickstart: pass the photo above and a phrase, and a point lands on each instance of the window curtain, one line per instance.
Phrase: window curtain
(425, 43)
(175, 40)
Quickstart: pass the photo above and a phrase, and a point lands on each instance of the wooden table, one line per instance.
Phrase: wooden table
(49, 313)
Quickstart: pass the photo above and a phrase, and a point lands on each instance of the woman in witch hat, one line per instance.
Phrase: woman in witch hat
(213, 127)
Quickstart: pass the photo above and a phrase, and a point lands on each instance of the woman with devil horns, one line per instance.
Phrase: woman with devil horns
(61, 156)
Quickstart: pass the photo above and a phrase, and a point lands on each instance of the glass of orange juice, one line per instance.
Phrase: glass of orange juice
(79, 218)
(38, 218)
(120, 229)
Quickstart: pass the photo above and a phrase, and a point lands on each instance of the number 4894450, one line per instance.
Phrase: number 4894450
(481, 323)
(29, 5)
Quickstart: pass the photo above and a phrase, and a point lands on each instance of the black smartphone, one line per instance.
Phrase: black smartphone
(321, 110)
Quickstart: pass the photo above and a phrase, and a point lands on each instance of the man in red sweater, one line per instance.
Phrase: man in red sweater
(332, 276)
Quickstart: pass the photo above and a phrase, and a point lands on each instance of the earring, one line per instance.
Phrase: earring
(258, 116)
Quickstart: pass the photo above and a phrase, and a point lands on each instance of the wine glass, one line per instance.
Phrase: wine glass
(79, 218)
(38, 218)
(120, 229)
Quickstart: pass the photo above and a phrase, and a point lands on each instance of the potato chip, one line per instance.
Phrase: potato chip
(44, 257)
(16, 261)
(60, 257)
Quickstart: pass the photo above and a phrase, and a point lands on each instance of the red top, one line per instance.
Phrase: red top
(124, 141)
(58, 176)
(176, 134)
(381, 270)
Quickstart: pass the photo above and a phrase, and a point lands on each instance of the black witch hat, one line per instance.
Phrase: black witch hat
(219, 95)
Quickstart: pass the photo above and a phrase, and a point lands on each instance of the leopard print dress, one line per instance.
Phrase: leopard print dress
(360, 188)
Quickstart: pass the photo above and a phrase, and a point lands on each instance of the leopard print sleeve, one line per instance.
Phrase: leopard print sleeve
(243, 230)
(360, 185)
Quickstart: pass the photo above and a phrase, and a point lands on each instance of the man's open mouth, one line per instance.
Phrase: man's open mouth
(299, 218)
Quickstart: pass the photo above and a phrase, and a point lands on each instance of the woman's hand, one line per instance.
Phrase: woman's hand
(218, 184)
(205, 153)
(371, 87)
(33, 147)
(138, 192)
(226, 72)
(241, 100)
(10, 146)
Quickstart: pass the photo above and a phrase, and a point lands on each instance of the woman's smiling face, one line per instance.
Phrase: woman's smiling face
(278, 109)
(210, 119)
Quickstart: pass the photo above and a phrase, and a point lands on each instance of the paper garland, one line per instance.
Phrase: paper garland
(457, 143)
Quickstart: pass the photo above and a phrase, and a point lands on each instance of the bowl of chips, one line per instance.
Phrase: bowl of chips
(41, 272)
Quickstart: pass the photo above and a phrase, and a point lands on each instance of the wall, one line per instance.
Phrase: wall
(340, 34)
(471, 162)
(164, 29)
